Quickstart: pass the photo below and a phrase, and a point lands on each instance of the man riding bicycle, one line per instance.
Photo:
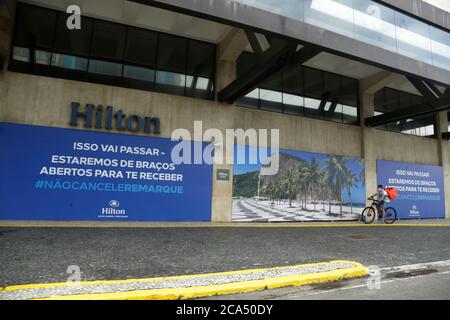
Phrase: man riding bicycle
(381, 197)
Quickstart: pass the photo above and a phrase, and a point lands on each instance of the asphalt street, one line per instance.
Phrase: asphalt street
(40, 255)
(420, 283)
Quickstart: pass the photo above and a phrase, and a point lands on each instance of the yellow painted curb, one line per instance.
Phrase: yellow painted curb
(204, 291)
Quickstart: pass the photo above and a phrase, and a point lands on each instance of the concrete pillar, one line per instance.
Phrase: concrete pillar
(222, 198)
(7, 15)
(442, 123)
(368, 87)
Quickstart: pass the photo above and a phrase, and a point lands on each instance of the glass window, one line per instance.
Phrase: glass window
(289, 8)
(201, 59)
(42, 57)
(105, 68)
(332, 94)
(172, 54)
(69, 62)
(404, 99)
(375, 24)
(333, 15)
(139, 73)
(170, 82)
(270, 93)
(250, 100)
(141, 47)
(313, 83)
(392, 100)
(440, 47)
(21, 54)
(293, 104)
(199, 87)
(380, 102)
(73, 42)
(111, 53)
(108, 40)
(35, 27)
(350, 114)
(311, 108)
(413, 38)
(350, 91)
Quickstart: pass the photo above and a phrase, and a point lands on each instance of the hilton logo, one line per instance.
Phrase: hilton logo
(414, 210)
(112, 210)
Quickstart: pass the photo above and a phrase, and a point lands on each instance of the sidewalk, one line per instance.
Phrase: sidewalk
(139, 224)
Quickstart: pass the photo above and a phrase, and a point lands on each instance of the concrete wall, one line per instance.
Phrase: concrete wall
(41, 100)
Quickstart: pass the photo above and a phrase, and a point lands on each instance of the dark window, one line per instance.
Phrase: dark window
(331, 102)
(73, 42)
(303, 91)
(111, 53)
(201, 59)
(108, 40)
(313, 83)
(392, 100)
(141, 47)
(293, 99)
(200, 69)
(388, 100)
(270, 93)
(172, 53)
(35, 27)
(350, 93)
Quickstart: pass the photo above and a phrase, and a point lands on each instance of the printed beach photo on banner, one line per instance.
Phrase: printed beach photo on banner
(420, 188)
(307, 187)
(65, 174)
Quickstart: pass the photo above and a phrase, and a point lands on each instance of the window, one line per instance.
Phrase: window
(108, 40)
(375, 24)
(111, 53)
(388, 100)
(200, 69)
(141, 47)
(336, 15)
(368, 21)
(305, 91)
(35, 28)
(270, 93)
(73, 42)
(350, 94)
(413, 38)
(293, 98)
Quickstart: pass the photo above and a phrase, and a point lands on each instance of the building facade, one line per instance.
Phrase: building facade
(366, 80)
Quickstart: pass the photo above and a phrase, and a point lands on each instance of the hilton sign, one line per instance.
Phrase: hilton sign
(105, 118)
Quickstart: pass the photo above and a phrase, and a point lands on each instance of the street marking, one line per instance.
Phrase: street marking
(385, 271)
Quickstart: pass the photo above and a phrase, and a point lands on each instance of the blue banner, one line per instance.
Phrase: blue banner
(63, 174)
(420, 188)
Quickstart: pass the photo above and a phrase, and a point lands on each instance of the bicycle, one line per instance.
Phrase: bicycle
(388, 215)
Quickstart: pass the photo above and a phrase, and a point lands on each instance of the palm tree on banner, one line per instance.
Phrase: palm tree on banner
(362, 173)
(302, 187)
(336, 169)
(324, 188)
(290, 184)
(311, 176)
(350, 181)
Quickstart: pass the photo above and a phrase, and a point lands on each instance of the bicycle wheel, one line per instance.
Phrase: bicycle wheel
(368, 215)
(390, 215)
